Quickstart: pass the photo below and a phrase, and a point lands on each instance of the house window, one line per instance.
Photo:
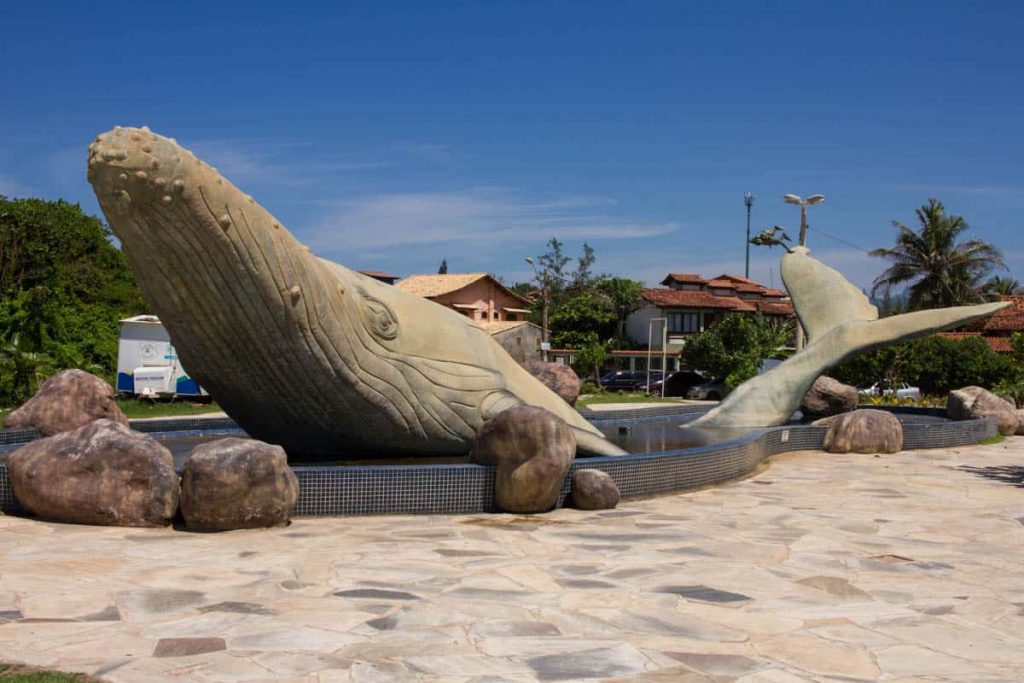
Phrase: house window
(483, 315)
(495, 316)
(511, 317)
(684, 322)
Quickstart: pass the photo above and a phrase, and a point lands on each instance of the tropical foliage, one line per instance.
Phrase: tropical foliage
(735, 348)
(935, 364)
(583, 306)
(938, 270)
(63, 287)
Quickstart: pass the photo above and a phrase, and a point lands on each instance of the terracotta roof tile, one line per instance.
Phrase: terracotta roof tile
(1010, 319)
(675, 297)
(775, 308)
(378, 274)
(691, 278)
(738, 279)
(719, 283)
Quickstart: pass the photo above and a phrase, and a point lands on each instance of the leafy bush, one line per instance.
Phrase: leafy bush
(1012, 391)
(734, 348)
(935, 364)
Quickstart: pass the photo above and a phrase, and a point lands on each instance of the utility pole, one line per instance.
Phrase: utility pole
(748, 199)
(803, 204)
(542, 277)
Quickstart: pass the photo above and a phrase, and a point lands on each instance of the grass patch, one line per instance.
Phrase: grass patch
(139, 409)
(616, 397)
(992, 440)
(15, 673)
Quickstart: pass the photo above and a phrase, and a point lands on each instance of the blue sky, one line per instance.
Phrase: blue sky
(390, 135)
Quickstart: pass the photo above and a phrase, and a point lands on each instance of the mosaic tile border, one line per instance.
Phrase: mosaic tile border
(468, 488)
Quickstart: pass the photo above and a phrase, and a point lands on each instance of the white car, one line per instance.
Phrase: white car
(902, 390)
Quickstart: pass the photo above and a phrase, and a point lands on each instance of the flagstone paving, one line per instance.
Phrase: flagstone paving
(821, 567)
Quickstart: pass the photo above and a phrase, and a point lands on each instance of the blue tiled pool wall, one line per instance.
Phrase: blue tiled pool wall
(468, 488)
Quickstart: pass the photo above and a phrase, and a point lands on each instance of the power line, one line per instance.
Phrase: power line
(838, 239)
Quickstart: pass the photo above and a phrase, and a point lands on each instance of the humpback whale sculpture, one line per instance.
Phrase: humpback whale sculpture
(301, 351)
(839, 321)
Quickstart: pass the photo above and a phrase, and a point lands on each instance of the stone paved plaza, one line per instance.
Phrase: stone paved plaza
(821, 567)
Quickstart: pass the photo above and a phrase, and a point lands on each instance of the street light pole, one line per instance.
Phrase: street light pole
(803, 204)
(748, 199)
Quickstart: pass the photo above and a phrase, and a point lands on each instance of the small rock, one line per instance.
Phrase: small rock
(237, 484)
(863, 431)
(974, 402)
(827, 397)
(67, 401)
(532, 449)
(593, 490)
(557, 377)
(100, 473)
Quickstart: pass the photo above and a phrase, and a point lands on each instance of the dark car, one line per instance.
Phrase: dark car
(676, 383)
(627, 380)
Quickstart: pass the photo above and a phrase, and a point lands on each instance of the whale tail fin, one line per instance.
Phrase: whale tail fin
(822, 297)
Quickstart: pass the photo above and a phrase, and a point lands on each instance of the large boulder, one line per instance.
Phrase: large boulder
(237, 484)
(557, 377)
(863, 431)
(593, 490)
(532, 450)
(100, 473)
(827, 397)
(974, 402)
(1020, 423)
(67, 401)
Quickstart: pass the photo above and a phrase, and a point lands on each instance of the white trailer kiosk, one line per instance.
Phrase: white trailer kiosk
(147, 364)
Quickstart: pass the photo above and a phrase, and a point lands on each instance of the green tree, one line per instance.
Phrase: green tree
(63, 286)
(590, 357)
(998, 287)
(734, 348)
(624, 297)
(579, 314)
(938, 270)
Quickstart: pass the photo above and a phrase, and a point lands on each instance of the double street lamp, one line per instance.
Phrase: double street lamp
(803, 204)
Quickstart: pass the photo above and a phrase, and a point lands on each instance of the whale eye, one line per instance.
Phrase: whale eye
(379, 319)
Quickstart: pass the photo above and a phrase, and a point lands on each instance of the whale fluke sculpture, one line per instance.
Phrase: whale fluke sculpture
(840, 322)
(300, 351)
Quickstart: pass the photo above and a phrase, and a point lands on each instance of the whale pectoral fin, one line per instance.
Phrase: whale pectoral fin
(588, 443)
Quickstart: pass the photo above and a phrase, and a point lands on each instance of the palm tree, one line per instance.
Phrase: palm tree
(939, 270)
(25, 368)
(998, 287)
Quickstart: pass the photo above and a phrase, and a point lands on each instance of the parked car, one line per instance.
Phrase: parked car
(884, 388)
(715, 390)
(627, 380)
(677, 383)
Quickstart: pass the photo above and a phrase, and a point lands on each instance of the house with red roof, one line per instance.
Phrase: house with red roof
(691, 304)
(998, 330)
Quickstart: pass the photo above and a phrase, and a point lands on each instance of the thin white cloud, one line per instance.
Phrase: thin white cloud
(268, 161)
(479, 217)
